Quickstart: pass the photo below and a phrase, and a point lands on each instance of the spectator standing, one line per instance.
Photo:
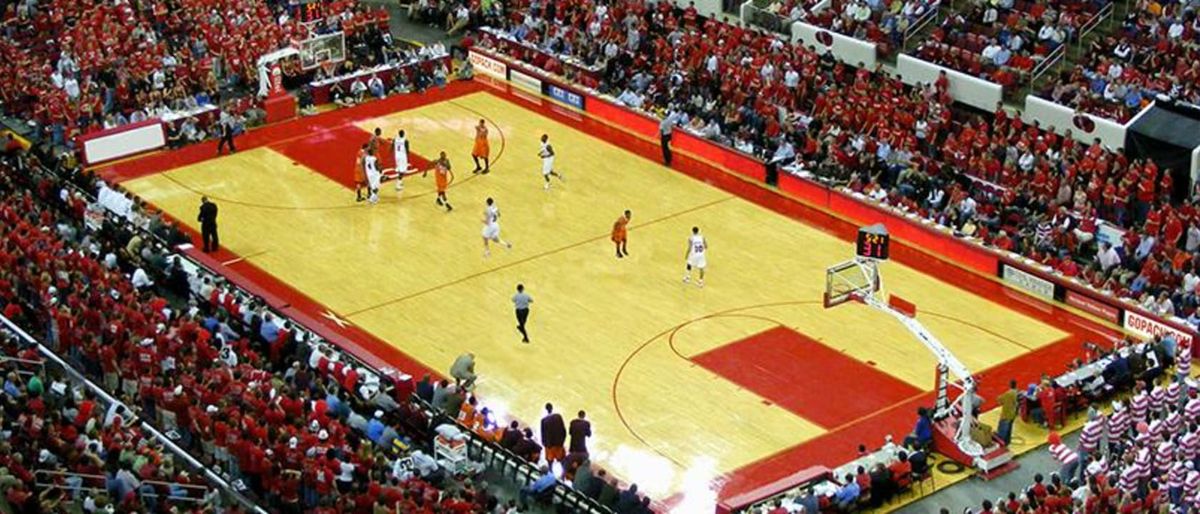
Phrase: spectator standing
(463, 371)
(1008, 412)
(225, 132)
(208, 225)
(665, 128)
(580, 430)
(521, 302)
(554, 435)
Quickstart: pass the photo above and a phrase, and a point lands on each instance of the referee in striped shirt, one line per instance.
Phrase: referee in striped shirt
(521, 302)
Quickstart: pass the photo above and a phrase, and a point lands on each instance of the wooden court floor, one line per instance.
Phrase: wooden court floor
(666, 371)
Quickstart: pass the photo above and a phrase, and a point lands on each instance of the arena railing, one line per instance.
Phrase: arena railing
(1059, 54)
(1105, 14)
(99, 392)
(916, 27)
(197, 493)
(760, 17)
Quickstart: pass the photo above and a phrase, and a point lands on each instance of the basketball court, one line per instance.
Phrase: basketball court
(690, 390)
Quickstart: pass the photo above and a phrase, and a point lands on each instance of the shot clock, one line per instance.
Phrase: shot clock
(872, 242)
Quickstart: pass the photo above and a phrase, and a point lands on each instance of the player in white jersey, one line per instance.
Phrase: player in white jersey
(697, 250)
(400, 152)
(547, 155)
(371, 167)
(491, 227)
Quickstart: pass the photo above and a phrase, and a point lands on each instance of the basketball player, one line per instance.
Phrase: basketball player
(360, 174)
(547, 155)
(491, 227)
(441, 175)
(376, 138)
(696, 250)
(619, 234)
(400, 152)
(481, 149)
(371, 167)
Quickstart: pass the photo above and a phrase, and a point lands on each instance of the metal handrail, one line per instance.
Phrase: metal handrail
(41, 365)
(1049, 62)
(919, 25)
(1088, 26)
(54, 485)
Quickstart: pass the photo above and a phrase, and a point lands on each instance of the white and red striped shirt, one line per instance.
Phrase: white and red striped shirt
(1118, 424)
(1191, 485)
(1174, 393)
(1129, 478)
(1090, 437)
(1158, 398)
(1189, 445)
(1164, 456)
(1139, 405)
(1183, 360)
(1177, 475)
(1192, 409)
(1063, 454)
(1174, 422)
(1156, 430)
(1143, 461)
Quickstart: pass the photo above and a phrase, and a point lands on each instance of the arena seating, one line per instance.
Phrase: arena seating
(68, 445)
(1010, 42)
(882, 23)
(82, 67)
(1154, 52)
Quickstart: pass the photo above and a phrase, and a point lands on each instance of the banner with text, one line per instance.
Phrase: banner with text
(564, 95)
(525, 81)
(1028, 282)
(1147, 327)
(1093, 306)
(488, 66)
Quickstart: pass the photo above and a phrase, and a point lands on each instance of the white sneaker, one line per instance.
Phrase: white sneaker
(561, 177)
(487, 253)
(700, 283)
(547, 186)
(687, 278)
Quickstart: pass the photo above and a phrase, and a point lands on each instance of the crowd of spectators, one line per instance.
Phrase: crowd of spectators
(80, 448)
(1154, 52)
(1139, 455)
(1003, 41)
(79, 67)
(881, 22)
(1018, 187)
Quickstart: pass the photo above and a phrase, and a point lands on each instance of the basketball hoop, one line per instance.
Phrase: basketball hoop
(852, 280)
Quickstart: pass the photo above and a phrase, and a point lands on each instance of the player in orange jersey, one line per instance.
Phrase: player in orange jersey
(441, 174)
(481, 149)
(619, 233)
(360, 174)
